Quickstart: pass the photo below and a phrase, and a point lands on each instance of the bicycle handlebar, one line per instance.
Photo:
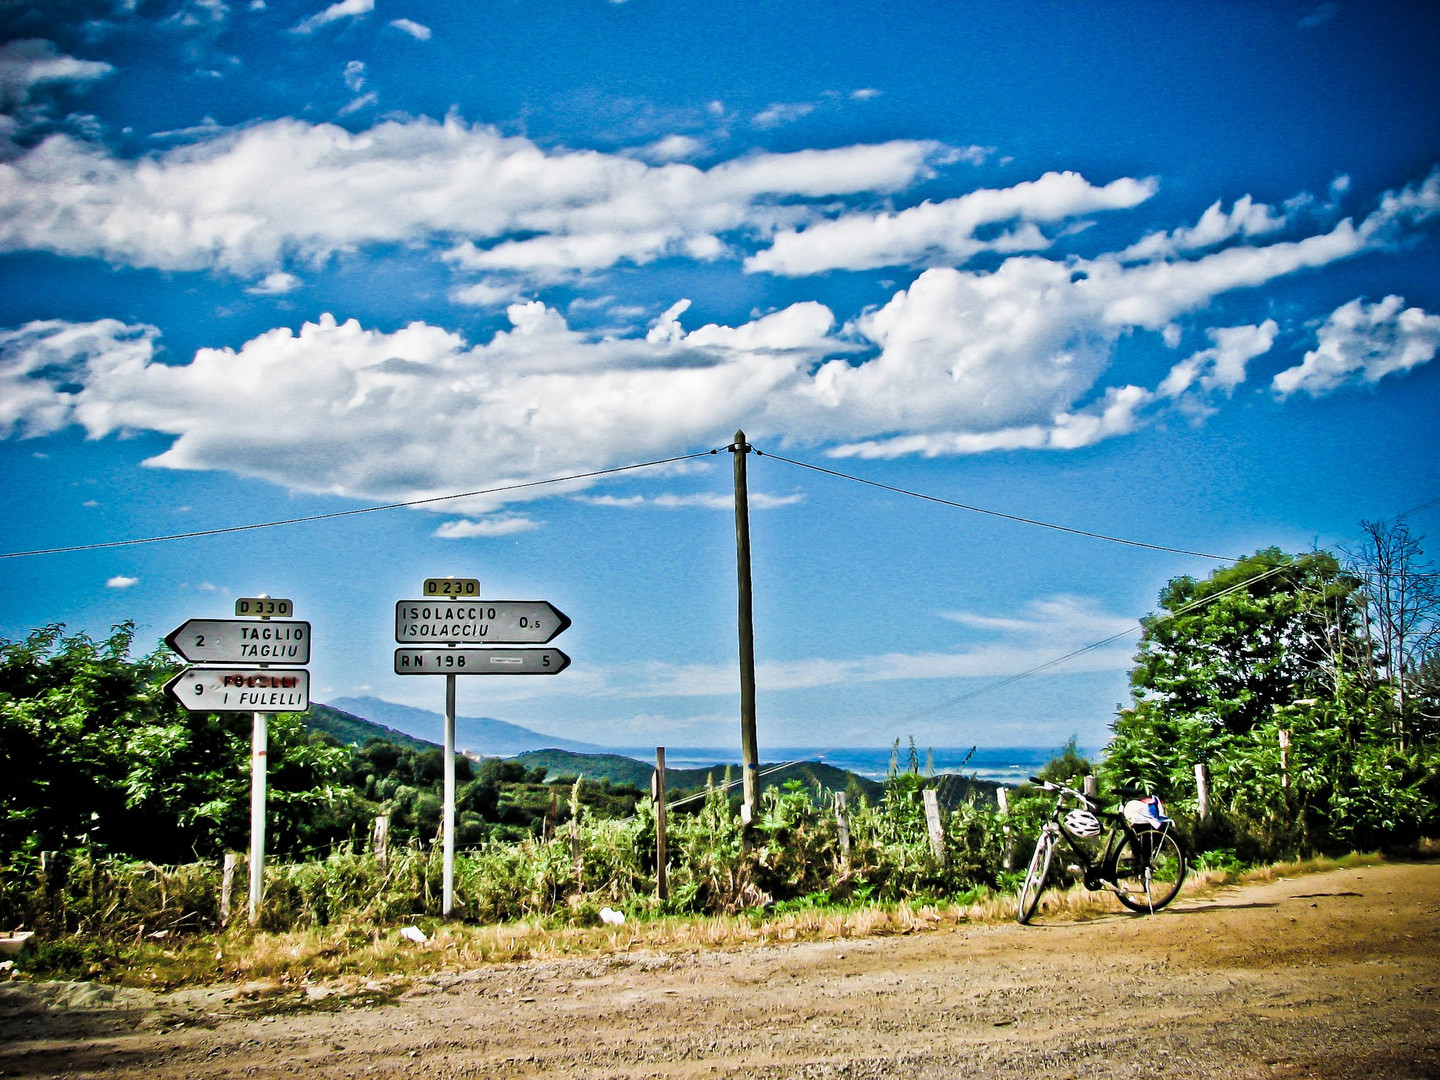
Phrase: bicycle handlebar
(1085, 800)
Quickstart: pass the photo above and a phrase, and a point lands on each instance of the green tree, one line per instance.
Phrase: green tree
(1226, 652)
(98, 755)
(1264, 673)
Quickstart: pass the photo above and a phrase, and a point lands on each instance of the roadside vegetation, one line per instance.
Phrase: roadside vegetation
(1306, 686)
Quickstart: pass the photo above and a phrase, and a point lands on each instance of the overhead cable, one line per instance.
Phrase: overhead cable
(996, 513)
(357, 510)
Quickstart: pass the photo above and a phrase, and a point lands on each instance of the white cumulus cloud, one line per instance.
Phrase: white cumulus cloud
(344, 9)
(244, 201)
(1362, 342)
(31, 62)
(945, 232)
(498, 525)
(418, 31)
(1222, 367)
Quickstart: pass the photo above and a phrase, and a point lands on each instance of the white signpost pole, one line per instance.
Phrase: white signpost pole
(285, 644)
(258, 743)
(448, 893)
(452, 614)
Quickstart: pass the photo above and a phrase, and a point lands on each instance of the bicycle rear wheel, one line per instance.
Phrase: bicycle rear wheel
(1035, 877)
(1149, 870)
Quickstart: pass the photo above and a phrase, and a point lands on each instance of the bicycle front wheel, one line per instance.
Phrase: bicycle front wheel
(1035, 877)
(1150, 867)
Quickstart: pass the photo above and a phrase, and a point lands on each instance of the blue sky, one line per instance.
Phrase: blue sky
(1166, 275)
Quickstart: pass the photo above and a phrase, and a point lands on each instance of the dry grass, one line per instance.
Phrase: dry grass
(272, 963)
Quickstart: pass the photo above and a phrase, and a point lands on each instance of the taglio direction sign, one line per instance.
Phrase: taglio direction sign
(480, 661)
(236, 689)
(478, 622)
(230, 641)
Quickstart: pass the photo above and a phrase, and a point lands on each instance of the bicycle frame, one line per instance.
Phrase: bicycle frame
(1102, 872)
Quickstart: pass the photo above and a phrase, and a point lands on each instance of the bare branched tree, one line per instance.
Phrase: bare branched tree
(1402, 591)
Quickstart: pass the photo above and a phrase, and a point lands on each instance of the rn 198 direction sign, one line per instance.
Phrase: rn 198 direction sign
(480, 661)
(478, 622)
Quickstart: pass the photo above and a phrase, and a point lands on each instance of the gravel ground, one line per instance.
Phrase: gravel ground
(1326, 975)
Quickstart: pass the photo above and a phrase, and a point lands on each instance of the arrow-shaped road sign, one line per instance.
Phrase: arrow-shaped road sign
(216, 689)
(250, 641)
(478, 622)
(480, 661)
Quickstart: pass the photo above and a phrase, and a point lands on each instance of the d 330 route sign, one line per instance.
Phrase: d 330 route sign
(264, 607)
(480, 661)
(220, 689)
(230, 641)
(478, 622)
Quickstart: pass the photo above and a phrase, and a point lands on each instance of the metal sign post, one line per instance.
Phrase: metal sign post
(447, 897)
(453, 614)
(252, 680)
(259, 739)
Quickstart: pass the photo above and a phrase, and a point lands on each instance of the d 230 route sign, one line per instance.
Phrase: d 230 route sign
(220, 689)
(480, 661)
(229, 641)
(478, 622)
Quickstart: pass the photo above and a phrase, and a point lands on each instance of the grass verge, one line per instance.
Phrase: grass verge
(375, 960)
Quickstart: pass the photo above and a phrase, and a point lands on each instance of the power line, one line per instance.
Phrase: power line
(1184, 609)
(351, 513)
(996, 513)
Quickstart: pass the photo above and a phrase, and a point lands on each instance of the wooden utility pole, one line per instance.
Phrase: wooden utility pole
(749, 746)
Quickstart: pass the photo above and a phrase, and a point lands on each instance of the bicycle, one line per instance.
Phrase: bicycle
(1143, 865)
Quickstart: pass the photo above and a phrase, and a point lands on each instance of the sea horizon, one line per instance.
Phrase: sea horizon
(997, 764)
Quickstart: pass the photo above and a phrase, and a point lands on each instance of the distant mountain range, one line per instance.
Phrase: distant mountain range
(354, 720)
(628, 770)
(352, 730)
(477, 734)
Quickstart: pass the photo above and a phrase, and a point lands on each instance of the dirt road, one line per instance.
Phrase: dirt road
(1326, 975)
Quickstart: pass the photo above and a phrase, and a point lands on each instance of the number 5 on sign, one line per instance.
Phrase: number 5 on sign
(480, 661)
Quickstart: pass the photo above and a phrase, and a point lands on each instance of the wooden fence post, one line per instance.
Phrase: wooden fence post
(227, 883)
(657, 784)
(1284, 759)
(842, 826)
(933, 823)
(381, 840)
(1007, 853)
(576, 858)
(1202, 791)
(1091, 787)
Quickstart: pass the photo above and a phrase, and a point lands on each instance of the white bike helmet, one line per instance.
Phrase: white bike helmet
(1082, 823)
